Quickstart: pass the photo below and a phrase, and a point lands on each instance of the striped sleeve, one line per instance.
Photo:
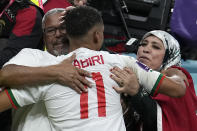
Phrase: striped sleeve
(157, 85)
(148, 78)
(12, 99)
(25, 96)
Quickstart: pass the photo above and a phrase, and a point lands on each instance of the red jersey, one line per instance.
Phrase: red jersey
(179, 114)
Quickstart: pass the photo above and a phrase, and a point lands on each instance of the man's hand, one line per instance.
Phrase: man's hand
(126, 79)
(62, 16)
(74, 3)
(72, 76)
(78, 2)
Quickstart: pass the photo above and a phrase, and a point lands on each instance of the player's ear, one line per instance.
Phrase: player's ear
(96, 37)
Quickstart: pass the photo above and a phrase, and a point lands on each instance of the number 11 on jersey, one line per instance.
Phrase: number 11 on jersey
(97, 77)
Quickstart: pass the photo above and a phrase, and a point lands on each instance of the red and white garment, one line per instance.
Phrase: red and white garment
(178, 114)
(99, 109)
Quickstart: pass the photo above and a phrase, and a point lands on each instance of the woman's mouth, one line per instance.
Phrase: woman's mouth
(143, 59)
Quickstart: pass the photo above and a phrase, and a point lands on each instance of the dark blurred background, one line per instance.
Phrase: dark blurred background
(125, 19)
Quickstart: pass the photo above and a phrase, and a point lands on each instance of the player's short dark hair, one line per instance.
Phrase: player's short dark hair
(80, 20)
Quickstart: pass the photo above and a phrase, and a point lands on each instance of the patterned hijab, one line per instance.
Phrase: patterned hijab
(171, 45)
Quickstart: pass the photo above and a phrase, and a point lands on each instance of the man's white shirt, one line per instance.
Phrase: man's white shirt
(97, 110)
(32, 117)
(63, 104)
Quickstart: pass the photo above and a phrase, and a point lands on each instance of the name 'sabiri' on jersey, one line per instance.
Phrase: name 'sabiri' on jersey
(91, 61)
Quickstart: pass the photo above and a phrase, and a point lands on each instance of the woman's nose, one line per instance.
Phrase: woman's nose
(146, 49)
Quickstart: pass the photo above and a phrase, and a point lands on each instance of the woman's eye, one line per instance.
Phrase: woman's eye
(156, 47)
(143, 44)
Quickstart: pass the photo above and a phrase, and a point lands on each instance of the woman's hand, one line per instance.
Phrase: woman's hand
(126, 79)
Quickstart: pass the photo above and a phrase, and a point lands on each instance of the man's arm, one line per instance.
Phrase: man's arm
(64, 73)
(172, 84)
(15, 98)
(175, 83)
(153, 81)
(4, 101)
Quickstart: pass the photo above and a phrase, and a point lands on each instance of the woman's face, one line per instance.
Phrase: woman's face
(151, 52)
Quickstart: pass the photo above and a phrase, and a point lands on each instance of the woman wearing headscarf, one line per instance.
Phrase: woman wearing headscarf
(160, 51)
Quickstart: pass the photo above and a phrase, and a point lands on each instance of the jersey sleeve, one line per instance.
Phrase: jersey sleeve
(148, 78)
(26, 96)
(26, 57)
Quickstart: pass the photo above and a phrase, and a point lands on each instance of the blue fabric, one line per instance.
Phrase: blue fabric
(191, 67)
(194, 76)
(183, 22)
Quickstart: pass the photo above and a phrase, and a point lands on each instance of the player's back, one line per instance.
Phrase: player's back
(97, 110)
